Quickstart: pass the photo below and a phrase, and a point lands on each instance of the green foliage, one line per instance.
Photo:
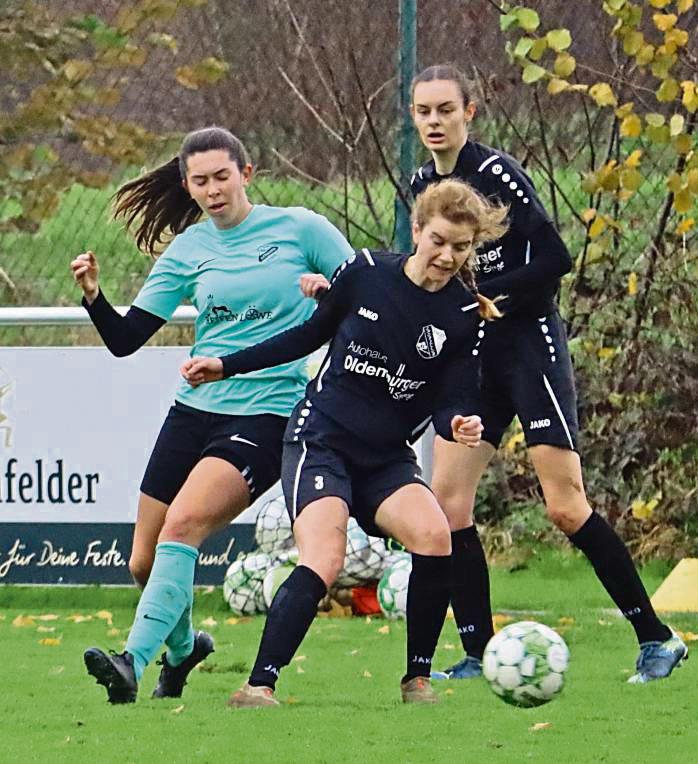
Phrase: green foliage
(631, 300)
(53, 81)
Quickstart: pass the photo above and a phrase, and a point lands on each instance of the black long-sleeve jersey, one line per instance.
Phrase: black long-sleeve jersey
(526, 264)
(399, 357)
(122, 335)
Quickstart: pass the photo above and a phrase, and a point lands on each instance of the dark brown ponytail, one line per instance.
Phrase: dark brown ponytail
(156, 205)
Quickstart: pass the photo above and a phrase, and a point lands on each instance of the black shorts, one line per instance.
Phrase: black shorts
(322, 459)
(527, 372)
(252, 444)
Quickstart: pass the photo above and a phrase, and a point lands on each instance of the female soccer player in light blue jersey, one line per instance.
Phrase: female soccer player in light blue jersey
(220, 445)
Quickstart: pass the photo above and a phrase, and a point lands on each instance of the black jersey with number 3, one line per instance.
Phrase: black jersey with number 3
(399, 357)
(526, 264)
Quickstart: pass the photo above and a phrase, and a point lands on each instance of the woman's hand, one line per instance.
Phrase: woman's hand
(467, 430)
(86, 274)
(313, 285)
(198, 370)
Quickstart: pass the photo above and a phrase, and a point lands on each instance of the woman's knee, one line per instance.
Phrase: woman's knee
(140, 566)
(433, 540)
(568, 517)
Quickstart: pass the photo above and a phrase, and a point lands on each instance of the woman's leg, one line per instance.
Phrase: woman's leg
(413, 517)
(149, 522)
(321, 534)
(560, 474)
(456, 475)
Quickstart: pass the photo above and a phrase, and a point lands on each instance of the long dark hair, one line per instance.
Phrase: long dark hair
(156, 203)
(447, 72)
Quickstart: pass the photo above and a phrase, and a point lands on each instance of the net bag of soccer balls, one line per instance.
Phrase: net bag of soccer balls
(525, 664)
(251, 581)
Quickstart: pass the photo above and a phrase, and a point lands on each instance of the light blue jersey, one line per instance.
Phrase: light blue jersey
(244, 283)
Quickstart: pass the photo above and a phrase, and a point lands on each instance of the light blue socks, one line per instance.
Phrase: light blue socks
(164, 610)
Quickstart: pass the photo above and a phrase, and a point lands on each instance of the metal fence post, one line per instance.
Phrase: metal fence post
(407, 64)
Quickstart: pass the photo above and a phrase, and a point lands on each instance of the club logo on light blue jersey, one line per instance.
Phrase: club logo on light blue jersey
(219, 313)
(266, 251)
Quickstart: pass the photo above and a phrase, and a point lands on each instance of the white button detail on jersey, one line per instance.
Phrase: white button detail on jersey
(552, 358)
(549, 340)
(506, 177)
(476, 351)
(519, 193)
(480, 334)
(301, 420)
(552, 350)
(543, 328)
(513, 185)
(305, 412)
(497, 169)
(525, 200)
(482, 323)
(298, 429)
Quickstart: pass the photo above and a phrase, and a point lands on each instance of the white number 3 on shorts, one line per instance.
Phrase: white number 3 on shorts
(319, 482)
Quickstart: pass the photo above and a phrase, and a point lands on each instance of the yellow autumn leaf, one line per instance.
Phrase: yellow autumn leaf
(676, 124)
(177, 710)
(538, 49)
(664, 21)
(645, 55)
(500, 619)
(448, 646)
(631, 126)
(631, 180)
(209, 622)
(632, 284)
(632, 42)
(603, 94)
(676, 37)
(559, 39)
(46, 629)
(24, 620)
(659, 3)
(605, 353)
(683, 144)
(77, 618)
(597, 227)
(540, 726)
(113, 632)
(367, 675)
(50, 641)
(684, 5)
(685, 226)
(683, 200)
(556, 86)
(687, 636)
(690, 95)
(692, 181)
(566, 620)
(589, 214)
(232, 621)
(104, 615)
(300, 658)
(46, 617)
(668, 90)
(300, 669)
(654, 120)
(448, 691)
(564, 65)
(514, 441)
(532, 73)
(384, 629)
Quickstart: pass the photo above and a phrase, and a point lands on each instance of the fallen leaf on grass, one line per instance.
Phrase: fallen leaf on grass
(688, 636)
(449, 691)
(50, 641)
(210, 621)
(291, 700)
(113, 632)
(177, 710)
(604, 623)
(384, 629)
(499, 620)
(367, 675)
(105, 615)
(45, 629)
(78, 618)
(368, 619)
(24, 620)
(56, 670)
(354, 652)
(232, 621)
(449, 614)
(540, 726)
(566, 620)
(299, 670)
(448, 646)
(46, 617)
(299, 658)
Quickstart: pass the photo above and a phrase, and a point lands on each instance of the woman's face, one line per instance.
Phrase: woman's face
(440, 116)
(442, 249)
(217, 185)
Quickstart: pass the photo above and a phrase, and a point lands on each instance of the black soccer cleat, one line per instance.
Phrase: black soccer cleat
(173, 678)
(115, 672)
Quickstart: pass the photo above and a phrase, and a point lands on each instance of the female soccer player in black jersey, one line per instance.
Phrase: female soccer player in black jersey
(219, 448)
(526, 372)
(402, 333)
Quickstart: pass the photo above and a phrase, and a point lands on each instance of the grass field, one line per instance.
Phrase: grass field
(340, 696)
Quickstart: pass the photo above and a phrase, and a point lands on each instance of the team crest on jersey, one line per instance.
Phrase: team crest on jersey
(430, 341)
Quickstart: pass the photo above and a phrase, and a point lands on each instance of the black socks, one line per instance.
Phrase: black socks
(290, 615)
(427, 602)
(470, 591)
(616, 571)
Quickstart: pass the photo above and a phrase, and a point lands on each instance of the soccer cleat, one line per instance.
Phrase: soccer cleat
(115, 672)
(173, 678)
(658, 659)
(418, 690)
(253, 697)
(468, 668)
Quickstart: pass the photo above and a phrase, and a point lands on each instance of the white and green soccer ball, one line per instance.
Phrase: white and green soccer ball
(392, 588)
(525, 663)
(273, 532)
(273, 579)
(363, 561)
(242, 585)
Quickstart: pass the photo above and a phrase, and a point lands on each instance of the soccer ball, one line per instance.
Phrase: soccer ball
(273, 528)
(273, 579)
(392, 588)
(242, 586)
(364, 557)
(525, 663)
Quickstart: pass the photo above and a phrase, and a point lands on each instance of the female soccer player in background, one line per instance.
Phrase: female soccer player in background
(526, 372)
(220, 446)
(402, 330)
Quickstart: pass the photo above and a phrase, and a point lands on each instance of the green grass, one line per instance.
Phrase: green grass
(344, 705)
